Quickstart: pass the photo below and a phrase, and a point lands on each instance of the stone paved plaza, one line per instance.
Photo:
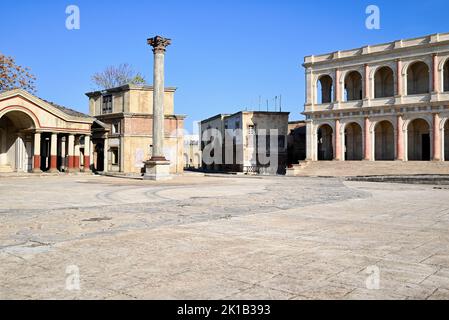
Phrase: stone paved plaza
(204, 237)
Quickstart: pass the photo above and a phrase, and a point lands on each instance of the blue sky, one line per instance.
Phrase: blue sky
(225, 54)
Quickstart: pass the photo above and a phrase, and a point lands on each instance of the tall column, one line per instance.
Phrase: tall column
(337, 155)
(399, 78)
(400, 139)
(436, 138)
(367, 82)
(86, 154)
(70, 153)
(337, 86)
(63, 153)
(436, 78)
(367, 137)
(54, 153)
(158, 168)
(37, 153)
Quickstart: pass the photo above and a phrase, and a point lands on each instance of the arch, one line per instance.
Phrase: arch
(418, 136)
(186, 160)
(20, 118)
(446, 76)
(324, 89)
(418, 78)
(384, 83)
(353, 142)
(353, 86)
(16, 141)
(384, 141)
(325, 146)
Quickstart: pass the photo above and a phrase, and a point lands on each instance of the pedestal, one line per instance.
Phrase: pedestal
(157, 170)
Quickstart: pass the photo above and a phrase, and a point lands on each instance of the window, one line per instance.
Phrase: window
(251, 130)
(114, 156)
(107, 104)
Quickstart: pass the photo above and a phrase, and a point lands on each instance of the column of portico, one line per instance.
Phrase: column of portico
(54, 153)
(70, 153)
(367, 138)
(437, 156)
(86, 154)
(337, 86)
(337, 155)
(436, 78)
(399, 85)
(400, 139)
(367, 82)
(76, 155)
(37, 153)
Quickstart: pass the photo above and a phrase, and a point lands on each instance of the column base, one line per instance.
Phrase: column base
(72, 170)
(53, 171)
(157, 170)
(37, 171)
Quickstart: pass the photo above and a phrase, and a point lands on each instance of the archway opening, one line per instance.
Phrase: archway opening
(353, 86)
(446, 76)
(384, 83)
(418, 140)
(16, 142)
(324, 89)
(418, 78)
(325, 143)
(353, 142)
(384, 141)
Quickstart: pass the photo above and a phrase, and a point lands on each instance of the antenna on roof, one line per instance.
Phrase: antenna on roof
(275, 103)
(267, 105)
(280, 103)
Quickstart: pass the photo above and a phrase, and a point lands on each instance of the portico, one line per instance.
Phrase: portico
(39, 136)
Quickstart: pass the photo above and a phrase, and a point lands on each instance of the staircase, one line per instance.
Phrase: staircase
(367, 168)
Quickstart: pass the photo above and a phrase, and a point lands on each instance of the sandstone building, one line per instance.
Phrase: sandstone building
(381, 102)
(122, 132)
(192, 152)
(243, 154)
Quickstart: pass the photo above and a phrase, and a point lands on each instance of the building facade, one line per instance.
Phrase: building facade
(380, 103)
(122, 132)
(242, 153)
(192, 152)
(40, 136)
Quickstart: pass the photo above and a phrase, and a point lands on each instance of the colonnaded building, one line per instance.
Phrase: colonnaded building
(381, 102)
(41, 136)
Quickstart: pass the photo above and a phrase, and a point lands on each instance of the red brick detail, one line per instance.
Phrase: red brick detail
(53, 162)
(37, 162)
(76, 162)
(71, 162)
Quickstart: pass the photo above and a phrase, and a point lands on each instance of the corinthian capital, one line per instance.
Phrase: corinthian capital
(159, 43)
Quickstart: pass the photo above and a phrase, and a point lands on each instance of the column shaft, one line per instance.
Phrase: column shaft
(86, 153)
(436, 138)
(400, 139)
(337, 155)
(337, 86)
(367, 137)
(70, 152)
(399, 78)
(367, 82)
(158, 107)
(54, 152)
(37, 153)
(436, 78)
